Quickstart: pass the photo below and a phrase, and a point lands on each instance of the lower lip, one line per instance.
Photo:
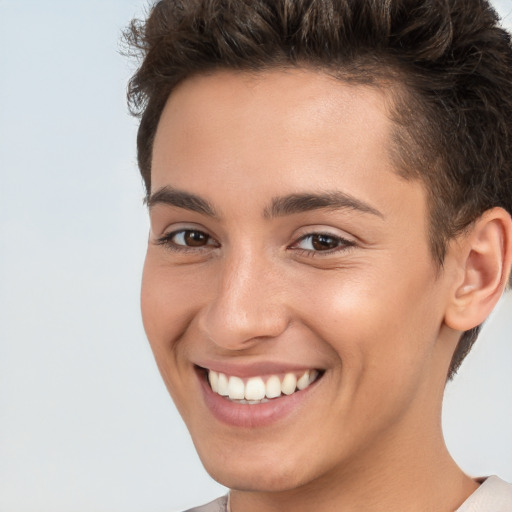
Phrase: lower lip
(256, 415)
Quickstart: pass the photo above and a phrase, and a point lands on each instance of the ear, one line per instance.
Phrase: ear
(484, 258)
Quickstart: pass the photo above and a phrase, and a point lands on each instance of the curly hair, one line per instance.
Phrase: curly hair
(448, 61)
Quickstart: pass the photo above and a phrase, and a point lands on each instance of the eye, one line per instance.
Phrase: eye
(187, 239)
(322, 242)
(190, 238)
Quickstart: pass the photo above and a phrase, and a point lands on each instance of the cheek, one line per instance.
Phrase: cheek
(167, 305)
(380, 326)
(169, 299)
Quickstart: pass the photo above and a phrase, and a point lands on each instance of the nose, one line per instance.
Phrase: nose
(247, 304)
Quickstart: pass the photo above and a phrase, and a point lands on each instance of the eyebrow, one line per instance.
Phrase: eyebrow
(299, 203)
(279, 207)
(181, 199)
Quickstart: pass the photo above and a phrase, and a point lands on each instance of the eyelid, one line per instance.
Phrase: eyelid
(170, 228)
(166, 240)
(345, 243)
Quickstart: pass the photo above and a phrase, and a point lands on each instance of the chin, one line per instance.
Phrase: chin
(264, 473)
(253, 479)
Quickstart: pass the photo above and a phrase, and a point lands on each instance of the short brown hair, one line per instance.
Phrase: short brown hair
(449, 59)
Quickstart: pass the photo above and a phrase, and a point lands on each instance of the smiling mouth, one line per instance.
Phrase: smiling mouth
(259, 390)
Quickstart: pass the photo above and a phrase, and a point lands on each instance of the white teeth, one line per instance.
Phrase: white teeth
(213, 377)
(255, 390)
(303, 382)
(236, 388)
(273, 387)
(222, 384)
(289, 384)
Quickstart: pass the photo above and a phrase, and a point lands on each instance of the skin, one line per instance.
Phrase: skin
(372, 312)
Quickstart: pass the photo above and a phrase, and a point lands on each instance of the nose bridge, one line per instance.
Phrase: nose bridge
(246, 305)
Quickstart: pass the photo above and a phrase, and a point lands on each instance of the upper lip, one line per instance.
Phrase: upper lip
(253, 369)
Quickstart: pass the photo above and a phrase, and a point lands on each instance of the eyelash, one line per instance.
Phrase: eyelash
(342, 243)
(167, 241)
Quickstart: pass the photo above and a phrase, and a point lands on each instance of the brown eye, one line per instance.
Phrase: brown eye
(195, 238)
(187, 238)
(323, 242)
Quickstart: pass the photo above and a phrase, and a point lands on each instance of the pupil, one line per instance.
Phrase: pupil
(195, 238)
(324, 242)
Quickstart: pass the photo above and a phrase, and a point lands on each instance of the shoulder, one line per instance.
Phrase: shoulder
(494, 495)
(218, 505)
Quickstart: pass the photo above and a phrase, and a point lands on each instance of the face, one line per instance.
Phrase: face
(288, 268)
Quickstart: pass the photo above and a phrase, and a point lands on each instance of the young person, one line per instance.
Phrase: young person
(330, 187)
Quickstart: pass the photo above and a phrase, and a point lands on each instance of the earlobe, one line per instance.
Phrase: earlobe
(485, 258)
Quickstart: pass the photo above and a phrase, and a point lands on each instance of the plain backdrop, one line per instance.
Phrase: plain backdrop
(85, 422)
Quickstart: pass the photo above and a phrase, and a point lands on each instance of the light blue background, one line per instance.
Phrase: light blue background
(85, 422)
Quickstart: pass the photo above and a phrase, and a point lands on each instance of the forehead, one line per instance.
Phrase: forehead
(267, 134)
(299, 93)
(308, 91)
(291, 111)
